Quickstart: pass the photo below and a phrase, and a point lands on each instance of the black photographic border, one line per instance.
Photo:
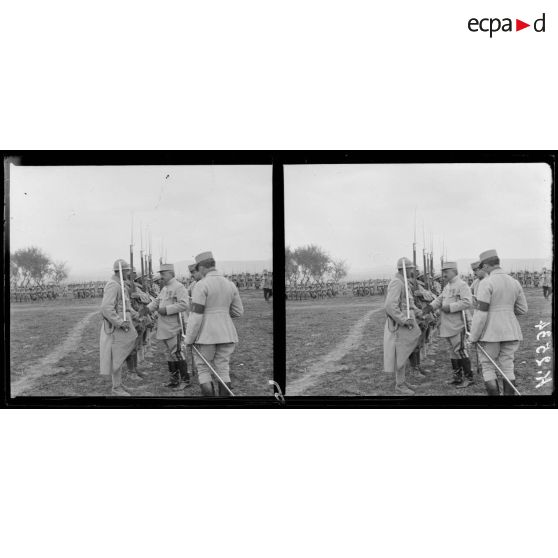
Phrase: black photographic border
(277, 159)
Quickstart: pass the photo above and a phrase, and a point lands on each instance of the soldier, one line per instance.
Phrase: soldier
(138, 298)
(215, 301)
(171, 302)
(267, 285)
(500, 298)
(422, 297)
(546, 282)
(454, 302)
(196, 276)
(118, 336)
(480, 274)
(401, 333)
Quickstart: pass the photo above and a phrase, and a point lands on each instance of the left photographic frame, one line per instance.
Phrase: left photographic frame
(138, 278)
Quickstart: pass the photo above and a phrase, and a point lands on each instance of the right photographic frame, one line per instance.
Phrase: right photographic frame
(420, 279)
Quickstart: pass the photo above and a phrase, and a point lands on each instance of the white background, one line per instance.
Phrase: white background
(291, 74)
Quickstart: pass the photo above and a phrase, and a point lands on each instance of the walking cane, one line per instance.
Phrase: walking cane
(213, 370)
(497, 368)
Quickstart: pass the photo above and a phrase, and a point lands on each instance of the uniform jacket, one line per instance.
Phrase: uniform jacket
(173, 297)
(268, 282)
(474, 291)
(399, 342)
(506, 299)
(115, 344)
(457, 294)
(220, 301)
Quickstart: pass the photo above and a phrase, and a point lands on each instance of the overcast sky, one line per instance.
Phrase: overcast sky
(365, 213)
(82, 215)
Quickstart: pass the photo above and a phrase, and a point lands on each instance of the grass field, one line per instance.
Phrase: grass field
(54, 351)
(335, 347)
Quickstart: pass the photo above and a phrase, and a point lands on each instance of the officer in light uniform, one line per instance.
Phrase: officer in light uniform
(454, 302)
(172, 304)
(480, 274)
(401, 334)
(196, 276)
(500, 299)
(215, 301)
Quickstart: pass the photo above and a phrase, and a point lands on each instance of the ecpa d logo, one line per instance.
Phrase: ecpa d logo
(494, 24)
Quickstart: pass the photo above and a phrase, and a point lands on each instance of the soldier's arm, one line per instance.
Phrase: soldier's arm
(197, 310)
(392, 303)
(436, 304)
(108, 305)
(182, 303)
(154, 305)
(520, 306)
(466, 299)
(484, 296)
(236, 309)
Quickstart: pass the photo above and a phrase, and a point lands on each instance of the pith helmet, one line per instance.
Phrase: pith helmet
(405, 261)
(123, 263)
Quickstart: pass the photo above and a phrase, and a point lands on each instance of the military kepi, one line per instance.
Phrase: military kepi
(475, 266)
(203, 257)
(487, 255)
(166, 267)
(449, 265)
(192, 268)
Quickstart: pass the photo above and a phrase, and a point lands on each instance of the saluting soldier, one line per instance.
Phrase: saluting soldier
(500, 299)
(215, 301)
(171, 303)
(118, 336)
(401, 333)
(454, 302)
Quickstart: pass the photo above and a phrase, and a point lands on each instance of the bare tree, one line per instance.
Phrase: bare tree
(33, 265)
(58, 272)
(338, 269)
(313, 261)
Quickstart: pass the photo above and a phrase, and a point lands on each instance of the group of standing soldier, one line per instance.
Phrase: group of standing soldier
(482, 318)
(193, 323)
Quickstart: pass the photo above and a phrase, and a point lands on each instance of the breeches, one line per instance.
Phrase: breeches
(172, 344)
(218, 356)
(502, 353)
(457, 346)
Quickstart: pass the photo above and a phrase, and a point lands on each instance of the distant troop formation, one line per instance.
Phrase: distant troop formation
(481, 317)
(194, 324)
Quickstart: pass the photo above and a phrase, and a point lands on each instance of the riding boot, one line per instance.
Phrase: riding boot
(183, 371)
(492, 387)
(457, 372)
(415, 366)
(467, 372)
(508, 390)
(174, 375)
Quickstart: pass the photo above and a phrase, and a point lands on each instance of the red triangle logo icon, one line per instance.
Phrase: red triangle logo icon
(519, 25)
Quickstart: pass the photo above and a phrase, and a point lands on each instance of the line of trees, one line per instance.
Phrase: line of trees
(313, 262)
(32, 267)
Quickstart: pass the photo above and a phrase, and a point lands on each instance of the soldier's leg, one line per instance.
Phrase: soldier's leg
(489, 373)
(174, 381)
(506, 363)
(401, 385)
(469, 379)
(223, 353)
(205, 377)
(117, 387)
(455, 358)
